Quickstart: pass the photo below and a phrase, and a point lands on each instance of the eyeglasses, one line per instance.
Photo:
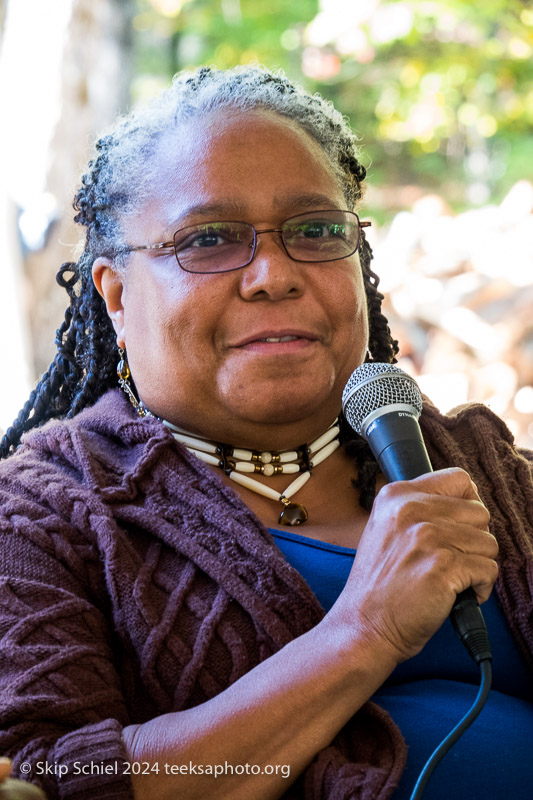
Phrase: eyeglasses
(225, 246)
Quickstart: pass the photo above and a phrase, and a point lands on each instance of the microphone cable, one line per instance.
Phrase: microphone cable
(467, 620)
(455, 734)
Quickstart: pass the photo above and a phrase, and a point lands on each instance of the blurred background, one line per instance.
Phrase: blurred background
(439, 92)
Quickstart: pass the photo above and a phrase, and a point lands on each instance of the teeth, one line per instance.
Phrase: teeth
(280, 339)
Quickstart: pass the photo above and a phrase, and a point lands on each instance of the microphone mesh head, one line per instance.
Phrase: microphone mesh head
(373, 386)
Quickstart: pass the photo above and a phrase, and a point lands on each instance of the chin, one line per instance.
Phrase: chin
(278, 407)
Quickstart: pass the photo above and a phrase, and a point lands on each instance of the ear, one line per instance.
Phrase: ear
(110, 285)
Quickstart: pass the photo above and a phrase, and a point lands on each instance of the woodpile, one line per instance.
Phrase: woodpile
(459, 298)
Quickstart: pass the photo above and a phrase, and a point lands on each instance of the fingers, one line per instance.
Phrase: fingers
(5, 768)
(453, 482)
(473, 540)
(467, 557)
(448, 494)
(483, 586)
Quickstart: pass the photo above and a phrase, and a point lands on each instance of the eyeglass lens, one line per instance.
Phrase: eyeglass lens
(225, 246)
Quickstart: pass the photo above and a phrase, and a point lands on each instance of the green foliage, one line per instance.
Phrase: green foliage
(441, 93)
(224, 33)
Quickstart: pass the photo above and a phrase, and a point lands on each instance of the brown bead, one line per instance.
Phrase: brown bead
(293, 514)
(123, 370)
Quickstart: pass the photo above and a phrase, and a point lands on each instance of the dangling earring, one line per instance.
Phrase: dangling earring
(124, 374)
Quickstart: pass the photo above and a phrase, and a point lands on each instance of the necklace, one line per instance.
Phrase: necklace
(239, 463)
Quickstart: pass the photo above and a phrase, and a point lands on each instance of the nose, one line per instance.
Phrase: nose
(271, 275)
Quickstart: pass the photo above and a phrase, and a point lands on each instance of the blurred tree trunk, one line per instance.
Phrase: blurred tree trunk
(95, 79)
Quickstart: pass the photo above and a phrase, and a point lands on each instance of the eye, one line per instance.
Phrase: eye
(209, 237)
(317, 229)
(337, 230)
(313, 230)
(203, 239)
(206, 240)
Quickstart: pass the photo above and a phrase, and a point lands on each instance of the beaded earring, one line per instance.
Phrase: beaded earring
(124, 374)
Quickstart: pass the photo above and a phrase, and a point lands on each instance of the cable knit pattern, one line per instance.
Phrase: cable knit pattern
(476, 440)
(134, 583)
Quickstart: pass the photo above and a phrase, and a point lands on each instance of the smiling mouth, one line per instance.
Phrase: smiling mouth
(279, 345)
(279, 339)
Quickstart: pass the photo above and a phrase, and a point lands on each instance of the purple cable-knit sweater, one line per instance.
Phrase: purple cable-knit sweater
(133, 583)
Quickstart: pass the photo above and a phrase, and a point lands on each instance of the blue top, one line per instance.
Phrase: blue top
(428, 694)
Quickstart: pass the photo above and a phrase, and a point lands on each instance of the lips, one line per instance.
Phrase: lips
(276, 337)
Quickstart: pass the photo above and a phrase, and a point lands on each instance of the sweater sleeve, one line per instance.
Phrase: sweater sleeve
(62, 709)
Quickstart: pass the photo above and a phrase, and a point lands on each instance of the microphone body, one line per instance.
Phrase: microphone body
(382, 403)
(396, 440)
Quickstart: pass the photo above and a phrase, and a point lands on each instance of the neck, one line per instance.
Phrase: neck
(227, 446)
(262, 435)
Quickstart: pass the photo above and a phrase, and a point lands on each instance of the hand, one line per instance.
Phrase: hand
(426, 541)
(11, 789)
(5, 768)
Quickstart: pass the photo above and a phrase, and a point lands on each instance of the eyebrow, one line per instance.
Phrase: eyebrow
(230, 206)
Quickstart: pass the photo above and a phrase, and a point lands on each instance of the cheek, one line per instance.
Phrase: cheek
(351, 307)
(353, 328)
(170, 328)
(152, 305)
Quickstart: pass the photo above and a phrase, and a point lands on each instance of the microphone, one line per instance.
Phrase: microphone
(382, 403)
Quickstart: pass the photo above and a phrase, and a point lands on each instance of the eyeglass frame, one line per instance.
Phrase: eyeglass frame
(172, 245)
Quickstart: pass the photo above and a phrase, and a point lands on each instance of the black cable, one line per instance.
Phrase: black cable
(457, 732)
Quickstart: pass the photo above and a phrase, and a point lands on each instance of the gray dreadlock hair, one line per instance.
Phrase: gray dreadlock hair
(117, 182)
(121, 176)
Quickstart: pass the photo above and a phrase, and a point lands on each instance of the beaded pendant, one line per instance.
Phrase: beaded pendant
(293, 513)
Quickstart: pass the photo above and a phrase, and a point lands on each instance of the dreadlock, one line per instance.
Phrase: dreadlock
(119, 178)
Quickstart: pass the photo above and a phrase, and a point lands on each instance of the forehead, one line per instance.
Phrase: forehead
(249, 161)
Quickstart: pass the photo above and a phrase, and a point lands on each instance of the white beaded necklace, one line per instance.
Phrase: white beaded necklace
(237, 462)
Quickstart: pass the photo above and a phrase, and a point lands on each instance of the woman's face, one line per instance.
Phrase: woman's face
(196, 343)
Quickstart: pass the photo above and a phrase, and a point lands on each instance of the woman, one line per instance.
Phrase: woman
(150, 616)
(13, 789)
